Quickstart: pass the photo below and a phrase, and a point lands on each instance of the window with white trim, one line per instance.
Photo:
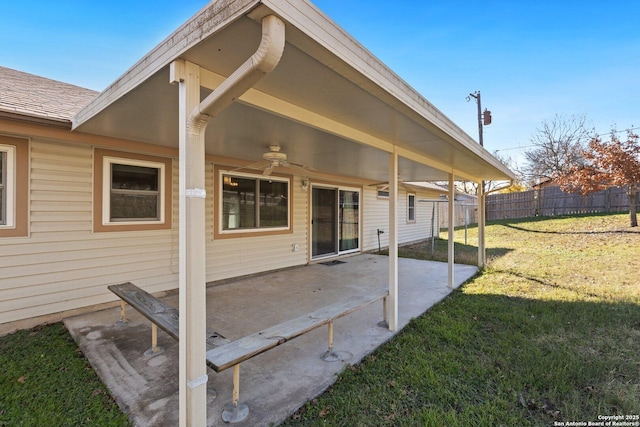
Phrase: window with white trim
(383, 192)
(411, 207)
(7, 186)
(254, 203)
(133, 191)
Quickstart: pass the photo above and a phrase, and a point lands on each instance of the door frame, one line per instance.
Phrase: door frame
(337, 188)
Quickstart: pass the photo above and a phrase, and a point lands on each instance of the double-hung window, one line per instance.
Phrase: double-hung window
(7, 186)
(134, 192)
(14, 186)
(411, 207)
(251, 203)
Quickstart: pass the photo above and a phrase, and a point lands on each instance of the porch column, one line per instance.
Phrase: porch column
(192, 255)
(393, 240)
(450, 256)
(482, 254)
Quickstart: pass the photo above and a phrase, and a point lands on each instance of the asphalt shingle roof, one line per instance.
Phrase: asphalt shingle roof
(30, 95)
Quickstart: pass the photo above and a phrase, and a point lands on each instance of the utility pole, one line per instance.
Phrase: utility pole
(482, 118)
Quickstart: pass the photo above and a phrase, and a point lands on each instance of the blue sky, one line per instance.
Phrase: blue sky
(531, 60)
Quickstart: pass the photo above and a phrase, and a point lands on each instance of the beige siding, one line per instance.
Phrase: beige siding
(63, 265)
(377, 214)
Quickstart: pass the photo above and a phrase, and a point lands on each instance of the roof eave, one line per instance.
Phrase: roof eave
(37, 120)
(204, 23)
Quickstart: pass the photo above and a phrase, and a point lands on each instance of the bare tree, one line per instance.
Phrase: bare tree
(469, 187)
(558, 146)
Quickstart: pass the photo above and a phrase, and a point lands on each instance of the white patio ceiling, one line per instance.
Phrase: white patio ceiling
(329, 103)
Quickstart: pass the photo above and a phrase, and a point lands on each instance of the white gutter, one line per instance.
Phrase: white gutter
(193, 373)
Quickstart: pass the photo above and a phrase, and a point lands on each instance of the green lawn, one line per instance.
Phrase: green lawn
(549, 332)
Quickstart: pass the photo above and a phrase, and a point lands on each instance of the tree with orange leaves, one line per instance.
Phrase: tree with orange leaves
(614, 163)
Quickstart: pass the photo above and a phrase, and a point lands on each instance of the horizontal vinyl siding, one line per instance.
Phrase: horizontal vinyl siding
(376, 216)
(63, 265)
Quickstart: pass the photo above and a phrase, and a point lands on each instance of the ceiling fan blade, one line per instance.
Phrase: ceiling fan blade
(267, 171)
(253, 166)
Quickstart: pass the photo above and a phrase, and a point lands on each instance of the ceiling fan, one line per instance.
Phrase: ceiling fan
(272, 159)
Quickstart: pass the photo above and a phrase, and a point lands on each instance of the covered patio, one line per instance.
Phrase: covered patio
(276, 383)
(241, 77)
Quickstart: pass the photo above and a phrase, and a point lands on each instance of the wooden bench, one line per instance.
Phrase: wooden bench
(223, 354)
(161, 315)
(237, 351)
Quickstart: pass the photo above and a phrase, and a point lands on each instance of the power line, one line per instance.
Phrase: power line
(534, 145)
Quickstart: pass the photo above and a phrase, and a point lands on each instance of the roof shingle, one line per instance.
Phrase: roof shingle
(34, 96)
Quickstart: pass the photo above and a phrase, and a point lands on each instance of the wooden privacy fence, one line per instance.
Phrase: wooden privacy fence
(551, 201)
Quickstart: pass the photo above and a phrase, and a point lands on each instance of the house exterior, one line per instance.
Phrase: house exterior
(253, 138)
(58, 255)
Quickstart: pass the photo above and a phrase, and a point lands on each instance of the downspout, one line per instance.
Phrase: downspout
(192, 352)
(262, 62)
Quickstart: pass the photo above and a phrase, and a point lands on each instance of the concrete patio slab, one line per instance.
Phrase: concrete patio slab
(276, 383)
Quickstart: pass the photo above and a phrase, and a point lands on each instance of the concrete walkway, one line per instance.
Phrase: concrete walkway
(278, 382)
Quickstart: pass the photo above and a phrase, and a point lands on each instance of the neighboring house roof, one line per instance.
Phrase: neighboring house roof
(25, 96)
(429, 186)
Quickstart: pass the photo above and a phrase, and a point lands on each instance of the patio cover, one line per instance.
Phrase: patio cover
(329, 103)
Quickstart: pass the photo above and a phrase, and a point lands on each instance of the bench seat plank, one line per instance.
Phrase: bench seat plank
(159, 312)
(237, 351)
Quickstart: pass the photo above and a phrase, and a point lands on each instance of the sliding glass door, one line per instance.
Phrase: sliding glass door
(335, 221)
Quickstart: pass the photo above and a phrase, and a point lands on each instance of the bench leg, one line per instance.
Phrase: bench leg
(123, 314)
(155, 348)
(384, 323)
(236, 412)
(330, 355)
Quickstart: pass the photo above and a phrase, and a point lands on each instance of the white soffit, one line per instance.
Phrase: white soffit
(329, 103)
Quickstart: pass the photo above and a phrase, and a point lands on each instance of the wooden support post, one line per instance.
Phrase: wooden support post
(123, 314)
(155, 348)
(237, 411)
(236, 385)
(330, 355)
(154, 337)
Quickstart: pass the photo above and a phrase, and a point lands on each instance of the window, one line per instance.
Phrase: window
(134, 192)
(14, 186)
(7, 185)
(411, 207)
(253, 204)
(383, 192)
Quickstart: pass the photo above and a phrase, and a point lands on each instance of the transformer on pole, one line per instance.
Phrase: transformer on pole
(483, 118)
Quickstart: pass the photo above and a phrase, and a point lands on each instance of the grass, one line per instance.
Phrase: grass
(548, 332)
(46, 381)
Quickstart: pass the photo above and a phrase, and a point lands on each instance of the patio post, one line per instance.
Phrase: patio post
(450, 256)
(194, 116)
(192, 250)
(482, 253)
(393, 240)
